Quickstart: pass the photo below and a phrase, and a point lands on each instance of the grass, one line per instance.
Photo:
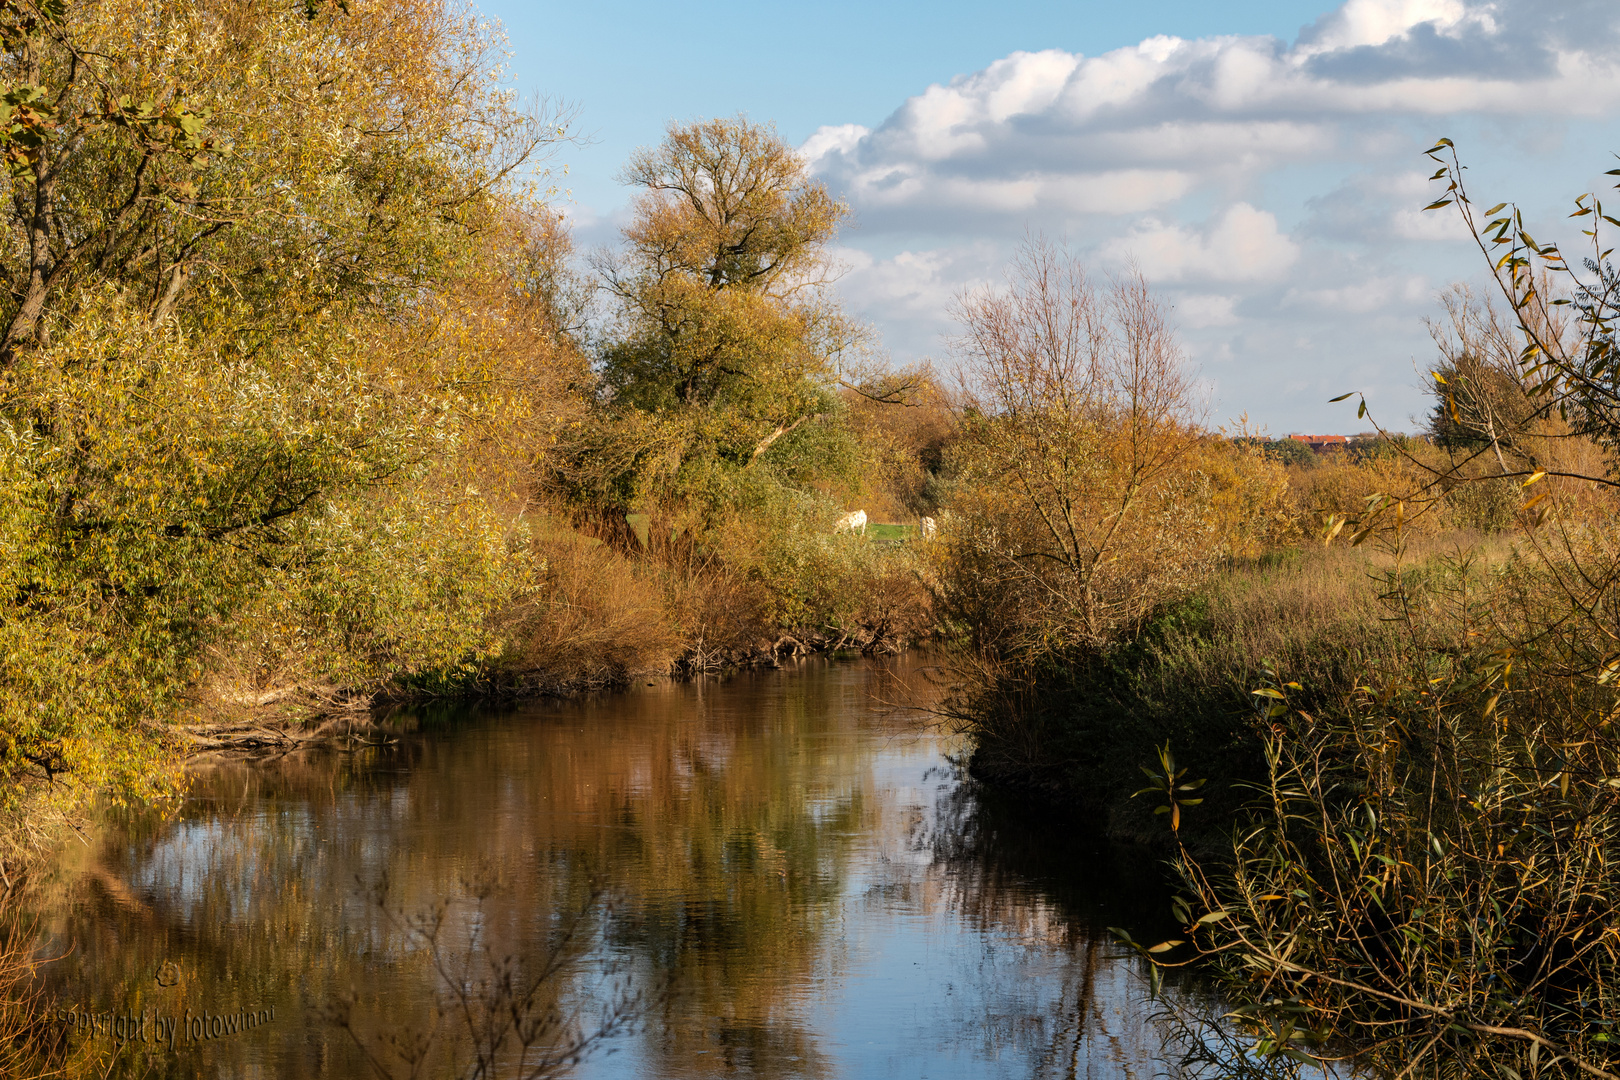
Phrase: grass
(890, 534)
(1077, 728)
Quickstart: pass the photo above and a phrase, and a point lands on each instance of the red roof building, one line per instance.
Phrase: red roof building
(1323, 442)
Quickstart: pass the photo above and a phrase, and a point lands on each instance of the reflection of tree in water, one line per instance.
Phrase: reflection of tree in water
(722, 821)
(1038, 878)
(748, 835)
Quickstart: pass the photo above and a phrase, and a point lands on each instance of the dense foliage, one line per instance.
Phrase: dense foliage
(304, 396)
(241, 344)
(1391, 801)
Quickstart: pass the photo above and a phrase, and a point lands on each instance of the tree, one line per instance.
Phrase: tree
(273, 301)
(199, 149)
(1076, 517)
(723, 321)
(1564, 320)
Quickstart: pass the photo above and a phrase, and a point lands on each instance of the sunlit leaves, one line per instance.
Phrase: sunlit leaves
(1167, 783)
(724, 333)
(276, 377)
(211, 150)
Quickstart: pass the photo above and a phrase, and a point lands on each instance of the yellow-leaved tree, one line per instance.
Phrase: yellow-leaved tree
(1080, 506)
(280, 350)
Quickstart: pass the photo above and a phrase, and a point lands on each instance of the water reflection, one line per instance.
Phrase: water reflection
(798, 870)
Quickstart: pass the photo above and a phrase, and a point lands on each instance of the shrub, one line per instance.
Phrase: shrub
(1426, 885)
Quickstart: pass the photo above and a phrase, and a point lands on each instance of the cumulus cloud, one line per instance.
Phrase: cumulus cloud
(1271, 184)
(919, 284)
(1243, 244)
(1139, 127)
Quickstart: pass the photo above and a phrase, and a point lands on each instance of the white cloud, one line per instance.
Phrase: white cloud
(1376, 22)
(1224, 107)
(914, 284)
(1362, 297)
(836, 139)
(1199, 311)
(1271, 183)
(1413, 224)
(1243, 244)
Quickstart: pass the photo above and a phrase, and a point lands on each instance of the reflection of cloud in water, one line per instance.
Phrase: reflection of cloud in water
(957, 964)
(789, 853)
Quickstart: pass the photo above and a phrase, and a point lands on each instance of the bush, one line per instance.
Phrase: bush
(1426, 886)
(593, 618)
(1078, 727)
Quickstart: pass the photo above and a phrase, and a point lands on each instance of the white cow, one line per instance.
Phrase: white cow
(854, 521)
(929, 528)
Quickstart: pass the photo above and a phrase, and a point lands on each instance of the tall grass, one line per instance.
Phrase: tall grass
(1076, 727)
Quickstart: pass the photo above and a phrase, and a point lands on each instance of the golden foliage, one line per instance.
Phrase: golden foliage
(1086, 495)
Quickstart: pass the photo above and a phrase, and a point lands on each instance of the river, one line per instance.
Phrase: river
(777, 874)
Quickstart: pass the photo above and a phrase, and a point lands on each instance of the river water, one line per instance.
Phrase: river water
(779, 874)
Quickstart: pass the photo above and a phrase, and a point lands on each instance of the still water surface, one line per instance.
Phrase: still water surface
(790, 870)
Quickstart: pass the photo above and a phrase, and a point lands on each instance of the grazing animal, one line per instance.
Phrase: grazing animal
(929, 529)
(854, 521)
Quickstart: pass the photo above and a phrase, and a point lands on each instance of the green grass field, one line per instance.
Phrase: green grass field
(890, 534)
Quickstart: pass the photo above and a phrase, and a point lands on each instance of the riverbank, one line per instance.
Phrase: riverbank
(1310, 622)
(304, 718)
(1385, 776)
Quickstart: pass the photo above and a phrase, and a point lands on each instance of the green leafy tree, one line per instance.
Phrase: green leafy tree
(723, 327)
(274, 296)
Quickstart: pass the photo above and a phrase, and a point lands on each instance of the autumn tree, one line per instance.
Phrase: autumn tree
(1075, 515)
(277, 157)
(723, 325)
(276, 323)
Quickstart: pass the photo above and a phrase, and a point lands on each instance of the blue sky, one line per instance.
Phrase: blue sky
(1260, 162)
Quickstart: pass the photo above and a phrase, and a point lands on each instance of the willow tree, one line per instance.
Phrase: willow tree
(724, 330)
(251, 292)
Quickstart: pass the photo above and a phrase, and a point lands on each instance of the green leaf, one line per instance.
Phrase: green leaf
(1437, 204)
(1213, 917)
(1497, 209)
(1341, 397)
(1266, 691)
(1164, 946)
